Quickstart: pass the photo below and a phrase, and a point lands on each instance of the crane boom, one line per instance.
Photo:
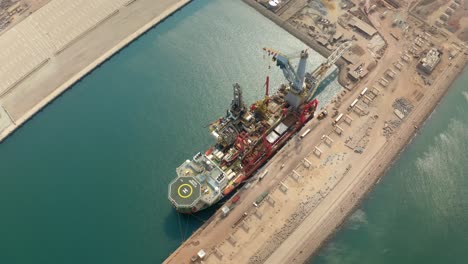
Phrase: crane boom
(320, 72)
(300, 93)
(295, 78)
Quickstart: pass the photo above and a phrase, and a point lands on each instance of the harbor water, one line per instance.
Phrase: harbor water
(85, 180)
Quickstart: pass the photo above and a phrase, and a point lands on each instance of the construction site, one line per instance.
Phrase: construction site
(393, 74)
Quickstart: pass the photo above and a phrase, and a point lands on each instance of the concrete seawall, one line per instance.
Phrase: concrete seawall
(75, 77)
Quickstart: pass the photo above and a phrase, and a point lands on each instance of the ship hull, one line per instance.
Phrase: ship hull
(258, 164)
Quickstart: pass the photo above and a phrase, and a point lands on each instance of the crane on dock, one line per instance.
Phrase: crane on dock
(304, 85)
(294, 77)
(314, 78)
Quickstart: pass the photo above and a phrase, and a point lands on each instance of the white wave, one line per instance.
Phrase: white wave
(440, 168)
(448, 150)
(466, 95)
(357, 219)
(335, 253)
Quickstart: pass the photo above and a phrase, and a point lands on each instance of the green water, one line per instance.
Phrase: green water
(85, 181)
(418, 213)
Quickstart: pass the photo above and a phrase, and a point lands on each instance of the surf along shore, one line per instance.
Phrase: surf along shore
(66, 57)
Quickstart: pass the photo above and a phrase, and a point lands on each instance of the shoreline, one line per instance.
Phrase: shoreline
(375, 180)
(369, 176)
(284, 240)
(324, 52)
(360, 187)
(15, 124)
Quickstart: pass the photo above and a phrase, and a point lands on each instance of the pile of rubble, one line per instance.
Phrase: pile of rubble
(390, 127)
(358, 142)
(403, 105)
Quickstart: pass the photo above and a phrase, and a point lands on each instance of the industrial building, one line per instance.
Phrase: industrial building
(428, 63)
(357, 72)
(361, 26)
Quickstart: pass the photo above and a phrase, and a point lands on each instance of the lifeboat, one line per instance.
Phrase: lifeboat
(239, 179)
(208, 152)
(228, 189)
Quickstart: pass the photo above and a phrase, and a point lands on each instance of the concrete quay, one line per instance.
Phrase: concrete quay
(54, 57)
(309, 41)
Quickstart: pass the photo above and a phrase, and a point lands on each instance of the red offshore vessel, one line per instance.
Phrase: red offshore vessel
(246, 137)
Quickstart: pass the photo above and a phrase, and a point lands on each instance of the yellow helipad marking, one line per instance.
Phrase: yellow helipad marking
(185, 195)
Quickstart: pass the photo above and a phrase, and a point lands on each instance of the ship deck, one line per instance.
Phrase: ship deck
(198, 180)
(185, 192)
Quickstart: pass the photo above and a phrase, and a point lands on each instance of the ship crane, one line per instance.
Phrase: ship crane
(237, 105)
(295, 97)
(314, 78)
(295, 78)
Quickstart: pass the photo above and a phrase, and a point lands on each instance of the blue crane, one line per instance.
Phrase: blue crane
(295, 78)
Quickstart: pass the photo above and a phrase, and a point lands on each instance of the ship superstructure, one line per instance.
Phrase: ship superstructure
(246, 137)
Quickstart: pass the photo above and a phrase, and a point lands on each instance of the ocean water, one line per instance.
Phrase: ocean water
(418, 213)
(85, 180)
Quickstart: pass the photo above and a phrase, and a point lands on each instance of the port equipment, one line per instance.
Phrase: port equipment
(366, 99)
(283, 188)
(338, 130)
(258, 214)
(296, 174)
(317, 152)
(244, 226)
(353, 104)
(235, 199)
(304, 85)
(260, 199)
(363, 92)
(218, 253)
(375, 91)
(263, 175)
(232, 240)
(338, 119)
(243, 216)
(225, 210)
(305, 133)
(294, 77)
(328, 140)
(320, 72)
(270, 200)
(348, 120)
(358, 110)
(201, 254)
